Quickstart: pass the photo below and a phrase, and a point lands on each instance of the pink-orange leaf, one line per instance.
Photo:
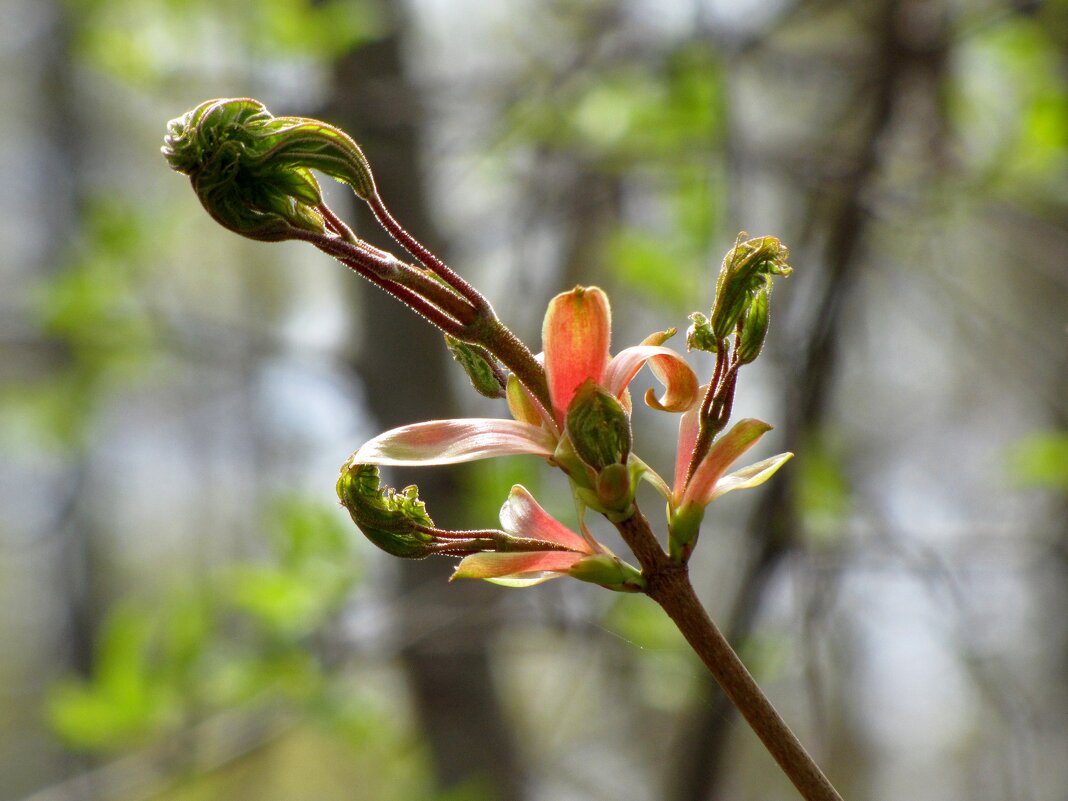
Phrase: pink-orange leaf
(530, 565)
(689, 427)
(669, 367)
(521, 516)
(453, 441)
(725, 452)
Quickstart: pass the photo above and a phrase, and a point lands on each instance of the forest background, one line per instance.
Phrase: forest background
(186, 613)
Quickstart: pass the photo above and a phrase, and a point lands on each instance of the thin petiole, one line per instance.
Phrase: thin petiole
(426, 258)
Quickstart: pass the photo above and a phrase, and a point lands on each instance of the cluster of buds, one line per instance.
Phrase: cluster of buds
(570, 405)
(253, 173)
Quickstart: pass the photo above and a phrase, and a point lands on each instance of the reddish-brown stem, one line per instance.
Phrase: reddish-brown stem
(424, 294)
(425, 257)
(415, 302)
(336, 224)
(715, 410)
(669, 585)
(705, 432)
(401, 280)
(462, 543)
(363, 263)
(463, 313)
(459, 547)
(713, 385)
(727, 406)
(676, 596)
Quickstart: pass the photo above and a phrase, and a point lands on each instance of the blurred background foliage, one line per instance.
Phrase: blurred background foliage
(185, 612)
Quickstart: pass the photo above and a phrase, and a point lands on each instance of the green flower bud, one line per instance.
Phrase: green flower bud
(252, 171)
(481, 368)
(598, 427)
(388, 518)
(609, 572)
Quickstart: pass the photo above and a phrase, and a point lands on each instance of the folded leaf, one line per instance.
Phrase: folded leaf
(669, 367)
(724, 452)
(752, 476)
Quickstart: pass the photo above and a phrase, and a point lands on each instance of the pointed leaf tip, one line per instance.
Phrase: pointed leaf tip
(523, 516)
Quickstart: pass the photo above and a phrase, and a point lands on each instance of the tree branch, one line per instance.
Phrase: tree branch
(669, 585)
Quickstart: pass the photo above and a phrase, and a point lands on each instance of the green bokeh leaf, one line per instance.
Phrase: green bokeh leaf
(1040, 460)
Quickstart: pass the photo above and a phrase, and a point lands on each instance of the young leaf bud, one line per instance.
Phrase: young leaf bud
(684, 524)
(754, 327)
(598, 427)
(747, 269)
(221, 145)
(615, 492)
(699, 335)
(481, 368)
(252, 171)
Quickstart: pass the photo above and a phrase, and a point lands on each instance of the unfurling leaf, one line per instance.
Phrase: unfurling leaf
(252, 170)
(391, 519)
(747, 270)
(754, 328)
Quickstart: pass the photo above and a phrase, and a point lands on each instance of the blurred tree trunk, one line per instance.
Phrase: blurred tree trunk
(65, 156)
(57, 585)
(403, 363)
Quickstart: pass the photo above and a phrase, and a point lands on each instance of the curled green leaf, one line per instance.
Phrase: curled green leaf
(391, 519)
(252, 170)
(312, 144)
